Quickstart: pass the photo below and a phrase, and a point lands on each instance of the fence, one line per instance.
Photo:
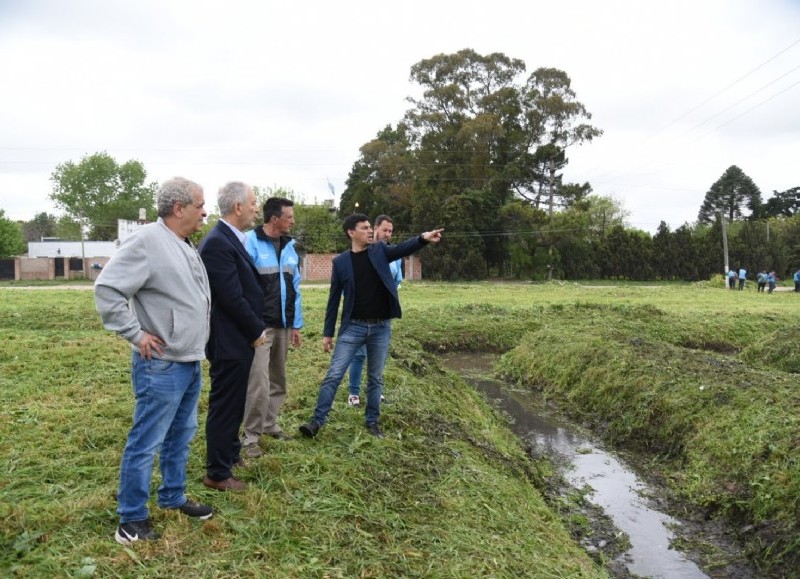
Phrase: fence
(48, 268)
(313, 266)
(7, 269)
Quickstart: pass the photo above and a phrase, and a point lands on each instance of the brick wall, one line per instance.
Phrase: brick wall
(35, 268)
(31, 268)
(317, 267)
(314, 267)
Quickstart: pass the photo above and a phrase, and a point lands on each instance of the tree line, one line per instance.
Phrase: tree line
(481, 152)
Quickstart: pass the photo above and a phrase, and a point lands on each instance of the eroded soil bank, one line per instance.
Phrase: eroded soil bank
(619, 513)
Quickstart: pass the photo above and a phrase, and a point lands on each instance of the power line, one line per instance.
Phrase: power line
(766, 100)
(723, 90)
(740, 101)
(619, 175)
(615, 175)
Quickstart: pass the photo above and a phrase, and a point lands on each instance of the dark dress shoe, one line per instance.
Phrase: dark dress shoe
(310, 429)
(229, 484)
(375, 430)
(280, 435)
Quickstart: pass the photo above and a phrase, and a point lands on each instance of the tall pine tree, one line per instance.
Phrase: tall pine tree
(731, 195)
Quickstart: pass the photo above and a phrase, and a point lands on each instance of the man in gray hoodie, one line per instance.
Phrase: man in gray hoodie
(154, 293)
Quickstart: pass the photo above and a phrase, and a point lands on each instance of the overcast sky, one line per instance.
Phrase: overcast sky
(284, 93)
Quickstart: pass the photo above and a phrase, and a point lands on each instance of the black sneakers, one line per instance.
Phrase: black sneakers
(128, 533)
(196, 510)
(375, 430)
(310, 429)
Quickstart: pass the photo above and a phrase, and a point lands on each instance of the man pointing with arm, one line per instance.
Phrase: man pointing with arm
(364, 277)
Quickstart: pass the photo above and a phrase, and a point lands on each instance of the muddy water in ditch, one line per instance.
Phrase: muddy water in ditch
(614, 486)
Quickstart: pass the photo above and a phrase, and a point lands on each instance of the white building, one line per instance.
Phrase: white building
(87, 249)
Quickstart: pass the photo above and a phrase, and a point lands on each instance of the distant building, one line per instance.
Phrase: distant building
(126, 227)
(58, 248)
(53, 247)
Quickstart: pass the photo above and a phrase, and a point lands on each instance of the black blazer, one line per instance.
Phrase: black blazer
(236, 295)
(343, 280)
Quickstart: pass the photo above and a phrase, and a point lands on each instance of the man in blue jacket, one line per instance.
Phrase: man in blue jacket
(363, 275)
(274, 255)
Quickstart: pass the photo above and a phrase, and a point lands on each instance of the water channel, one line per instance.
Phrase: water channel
(614, 487)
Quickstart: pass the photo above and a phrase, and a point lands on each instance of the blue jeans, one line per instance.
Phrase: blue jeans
(355, 371)
(164, 421)
(357, 334)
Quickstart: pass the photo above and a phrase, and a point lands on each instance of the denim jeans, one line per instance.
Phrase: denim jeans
(357, 334)
(356, 370)
(164, 421)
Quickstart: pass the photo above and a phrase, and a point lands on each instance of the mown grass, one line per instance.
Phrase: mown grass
(707, 386)
(448, 493)
(702, 379)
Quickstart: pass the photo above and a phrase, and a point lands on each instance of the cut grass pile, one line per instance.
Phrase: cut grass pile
(703, 380)
(448, 493)
(708, 396)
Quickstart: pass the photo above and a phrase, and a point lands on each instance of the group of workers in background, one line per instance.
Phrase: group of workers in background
(766, 281)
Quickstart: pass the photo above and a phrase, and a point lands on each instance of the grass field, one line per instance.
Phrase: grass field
(701, 379)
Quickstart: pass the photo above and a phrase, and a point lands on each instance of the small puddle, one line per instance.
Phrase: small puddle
(615, 488)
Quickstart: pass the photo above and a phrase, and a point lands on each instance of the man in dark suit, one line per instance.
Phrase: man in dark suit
(236, 329)
(370, 302)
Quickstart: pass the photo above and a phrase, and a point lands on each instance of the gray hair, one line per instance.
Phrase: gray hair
(231, 194)
(175, 190)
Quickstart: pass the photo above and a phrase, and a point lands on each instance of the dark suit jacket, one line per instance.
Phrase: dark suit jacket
(236, 295)
(343, 280)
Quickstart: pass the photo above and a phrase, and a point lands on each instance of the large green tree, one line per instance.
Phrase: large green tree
(731, 195)
(553, 111)
(784, 203)
(784, 240)
(479, 136)
(11, 241)
(97, 191)
(593, 216)
(382, 179)
(523, 223)
(67, 228)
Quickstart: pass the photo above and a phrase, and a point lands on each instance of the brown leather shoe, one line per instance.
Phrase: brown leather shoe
(229, 484)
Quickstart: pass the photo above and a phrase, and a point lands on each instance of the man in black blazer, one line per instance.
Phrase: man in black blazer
(236, 329)
(363, 276)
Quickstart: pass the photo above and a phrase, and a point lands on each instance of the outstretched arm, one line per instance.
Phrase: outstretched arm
(434, 236)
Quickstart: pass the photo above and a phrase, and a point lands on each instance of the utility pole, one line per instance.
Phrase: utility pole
(550, 218)
(724, 244)
(83, 247)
